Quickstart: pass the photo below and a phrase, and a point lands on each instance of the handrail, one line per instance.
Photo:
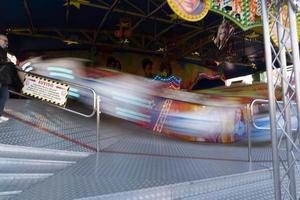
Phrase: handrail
(252, 114)
(96, 102)
(248, 130)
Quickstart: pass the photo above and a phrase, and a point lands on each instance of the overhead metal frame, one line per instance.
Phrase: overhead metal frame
(138, 41)
(137, 14)
(67, 12)
(104, 19)
(85, 37)
(149, 15)
(28, 14)
(91, 37)
(285, 142)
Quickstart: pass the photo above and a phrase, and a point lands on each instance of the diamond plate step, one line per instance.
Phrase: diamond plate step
(192, 188)
(21, 167)
(19, 182)
(13, 165)
(14, 151)
(8, 194)
(262, 190)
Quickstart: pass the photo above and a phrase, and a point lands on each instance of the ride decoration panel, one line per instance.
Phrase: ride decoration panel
(190, 10)
(246, 14)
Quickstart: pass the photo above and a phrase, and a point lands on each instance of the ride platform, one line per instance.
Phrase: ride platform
(134, 163)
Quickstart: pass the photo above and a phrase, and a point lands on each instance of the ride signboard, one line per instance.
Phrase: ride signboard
(44, 89)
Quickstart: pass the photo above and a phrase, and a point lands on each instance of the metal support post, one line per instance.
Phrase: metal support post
(286, 104)
(249, 129)
(268, 58)
(98, 112)
(296, 59)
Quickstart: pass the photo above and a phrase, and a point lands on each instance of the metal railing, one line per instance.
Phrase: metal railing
(249, 112)
(95, 107)
(252, 113)
(248, 122)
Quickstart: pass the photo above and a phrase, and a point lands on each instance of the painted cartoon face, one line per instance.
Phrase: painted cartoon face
(189, 6)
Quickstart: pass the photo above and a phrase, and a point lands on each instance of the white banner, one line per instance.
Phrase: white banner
(45, 89)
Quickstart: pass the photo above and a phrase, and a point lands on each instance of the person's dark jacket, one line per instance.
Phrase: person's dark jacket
(8, 70)
(8, 73)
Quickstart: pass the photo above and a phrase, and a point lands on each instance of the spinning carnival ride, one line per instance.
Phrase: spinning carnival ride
(214, 115)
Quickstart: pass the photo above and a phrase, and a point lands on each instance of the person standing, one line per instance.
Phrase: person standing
(8, 73)
(3, 83)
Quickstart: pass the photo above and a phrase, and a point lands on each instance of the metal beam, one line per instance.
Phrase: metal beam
(182, 40)
(149, 15)
(136, 14)
(87, 36)
(28, 14)
(163, 32)
(89, 43)
(59, 34)
(105, 18)
(190, 48)
(103, 2)
(67, 12)
(134, 6)
(155, 4)
(72, 30)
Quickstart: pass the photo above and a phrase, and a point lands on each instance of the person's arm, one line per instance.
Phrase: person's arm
(12, 58)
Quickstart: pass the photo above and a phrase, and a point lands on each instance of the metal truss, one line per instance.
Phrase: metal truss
(142, 42)
(285, 106)
(28, 14)
(86, 36)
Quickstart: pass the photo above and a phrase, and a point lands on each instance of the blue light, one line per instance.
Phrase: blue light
(169, 79)
(55, 74)
(133, 115)
(74, 90)
(132, 102)
(131, 99)
(59, 69)
(73, 94)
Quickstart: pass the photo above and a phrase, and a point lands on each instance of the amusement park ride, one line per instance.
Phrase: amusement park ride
(212, 114)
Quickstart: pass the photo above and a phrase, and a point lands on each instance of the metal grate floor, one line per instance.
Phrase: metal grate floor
(107, 173)
(132, 158)
(117, 135)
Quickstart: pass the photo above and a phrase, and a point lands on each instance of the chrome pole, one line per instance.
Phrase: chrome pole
(296, 66)
(296, 59)
(249, 129)
(98, 112)
(268, 58)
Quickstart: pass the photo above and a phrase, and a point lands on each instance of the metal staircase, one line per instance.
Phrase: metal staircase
(22, 167)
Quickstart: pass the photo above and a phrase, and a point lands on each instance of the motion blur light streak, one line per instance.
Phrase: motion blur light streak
(56, 74)
(128, 100)
(132, 114)
(59, 69)
(213, 117)
(73, 94)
